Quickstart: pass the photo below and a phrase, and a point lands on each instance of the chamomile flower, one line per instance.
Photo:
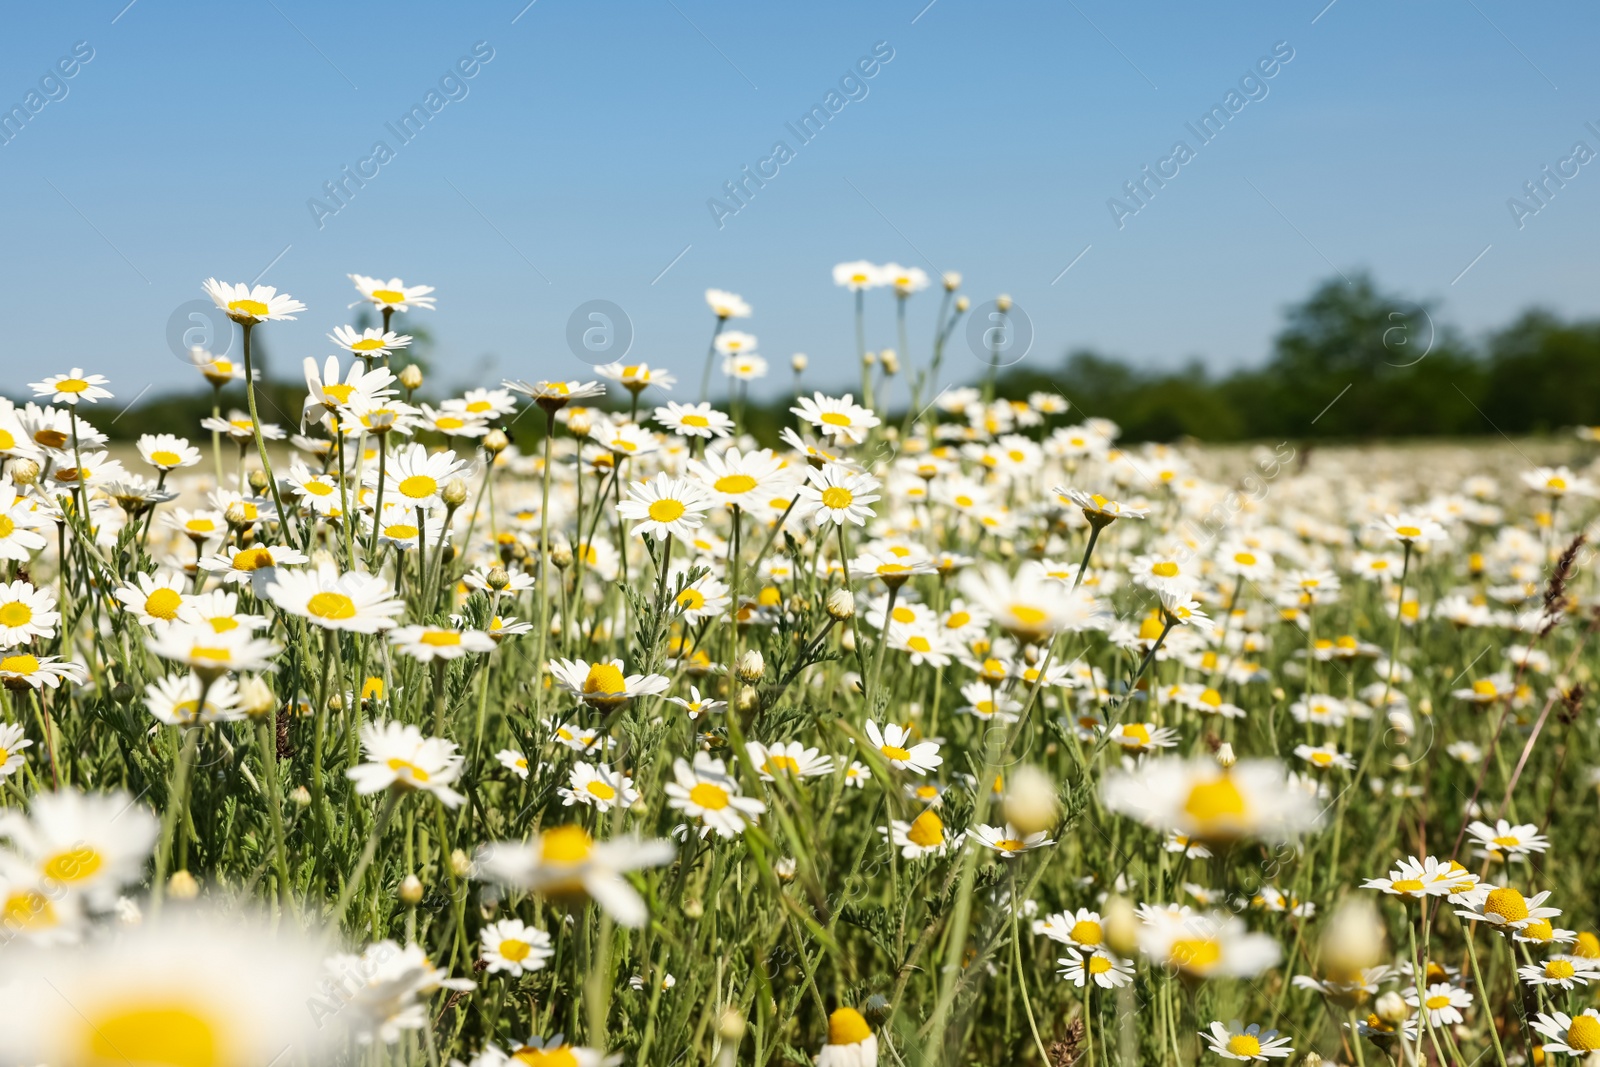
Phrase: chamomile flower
(392, 295)
(703, 598)
(513, 947)
(1427, 877)
(1557, 970)
(739, 479)
(355, 602)
(1500, 839)
(726, 305)
(704, 790)
(665, 507)
(788, 758)
(1238, 1042)
(565, 863)
(400, 757)
(1442, 1001)
(415, 478)
(840, 418)
(369, 343)
(1206, 944)
(598, 787)
(513, 761)
(835, 494)
(257, 565)
(174, 699)
(851, 1042)
(894, 743)
(166, 452)
(26, 613)
(1576, 1035)
(74, 387)
(91, 844)
(1098, 965)
(1008, 841)
(922, 838)
(694, 420)
(428, 643)
(602, 684)
(1082, 928)
(1251, 799)
(12, 742)
(1325, 757)
(23, 670)
(19, 538)
(249, 305)
(1140, 737)
(1505, 906)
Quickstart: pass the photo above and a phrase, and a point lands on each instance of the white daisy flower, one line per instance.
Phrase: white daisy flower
(392, 295)
(166, 452)
(73, 387)
(1576, 1035)
(428, 643)
(790, 758)
(1099, 966)
(26, 613)
(400, 757)
(599, 787)
(565, 862)
(92, 844)
(355, 601)
(840, 417)
(893, 741)
(249, 305)
(694, 420)
(834, 493)
(921, 838)
(705, 791)
(1236, 1042)
(514, 947)
(1008, 841)
(603, 684)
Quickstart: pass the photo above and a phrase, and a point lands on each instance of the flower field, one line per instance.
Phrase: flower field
(580, 722)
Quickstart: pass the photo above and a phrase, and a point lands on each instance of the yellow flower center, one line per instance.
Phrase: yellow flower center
(28, 909)
(1408, 531)
(601, 790)
(400, 531)
(733, 484)
(1137, 732)
(1244, 559)
(699, 421)
(339, 391)
(418, 487)
(331, 606)
(847, 1027)
(1437, 1001)
(1506, 903)
(440, 638)
(1407, 885)
(252, 559)
(1165, 569)
(1010, 844)
(918, 643)
(51, 438)
(1194, 954)
(566, 844)
(604, 680)
(666, 510)
(367, 344)
(895, 752)
(927, 830)
(318, 488)
(1086, 932)
(73, 865)
(560, 1056)
(254, 309)
(836, 497)
(1028, 617)
(389, 296)
(1099, 964)
(407, 769)
(1584, 1033)
(1559, 969)
(165, 459)
(1215, 804)
(835, 418)
(708, 796)
(1484, 687)
(19, 664)
(691, 600)
(514, 950)
(1244, 1045)
(150, 1032)
(1538, 930)
(15, 613)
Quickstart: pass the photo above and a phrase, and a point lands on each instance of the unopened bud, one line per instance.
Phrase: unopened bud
(455, 493)
(495, 442)
(730, 1026)
(497, 579)
(460, 863)
(1030, 803)
(891, 361)
(1225, 755)
(411, 891)
(841, 604)
(301, 796)
(876, 1010)
(24, 471)
(749, 702)
(1311, 1059)
(962, 304)
(411, 377)
(182, 886)
(579, 423)
(1392, 1008)
(784, 868)
(799, 362)
(952, 280)
(693, 909)
(751, 667)
(258, 481)
(869, 359)
(1003, 302)
(561, 554)
(1353, 939)
(255, 697)
(236, 515)
(1121, 926)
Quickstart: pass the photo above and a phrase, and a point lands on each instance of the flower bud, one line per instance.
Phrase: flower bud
(460, 863)
(24, 471)
(236, 515)
(784, 868)
(1225, 755)
(841, 605)
(411, 891)
(1392, 1008)
(182, 886)
(1030, 804)
(258, 481)
(891, 361)
(561, 554)
(952, 280)
(411, 378)
(749, 701)
(799, 362)
(1121, 926)
(255, 697)
(876, 1010)
(869, 359)
(1353, 939)
(730, 1026)
(301, 796)
(455, 493)
(751, 667)
(1003, 302)
(693, 909)
(495, 442)
(497, 579)
(579, 423)
(962, 304)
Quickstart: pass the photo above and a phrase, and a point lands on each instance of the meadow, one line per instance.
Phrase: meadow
(956, 733)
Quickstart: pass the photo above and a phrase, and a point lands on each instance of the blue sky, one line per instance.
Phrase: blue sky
(580, 162)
